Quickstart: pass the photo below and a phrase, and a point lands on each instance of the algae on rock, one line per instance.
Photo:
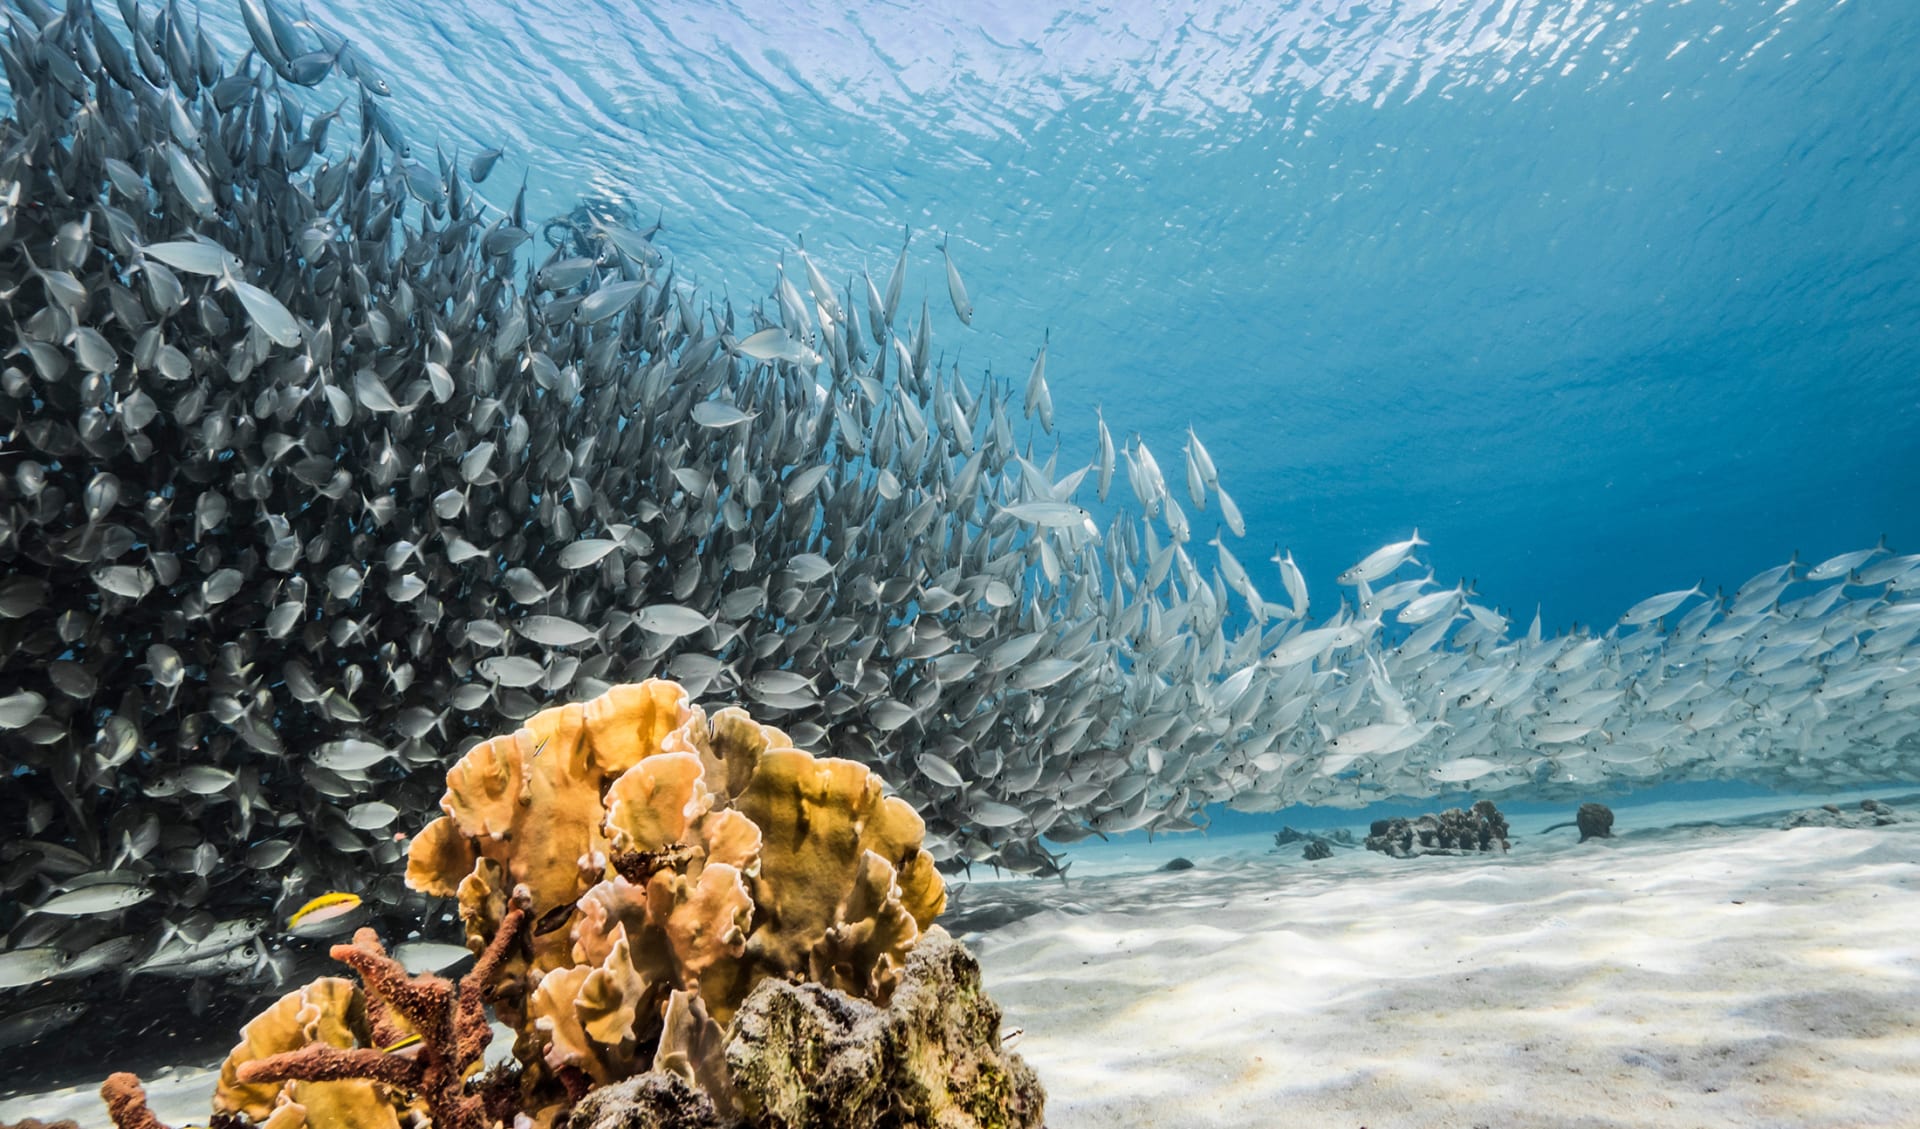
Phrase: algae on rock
(805, 1056)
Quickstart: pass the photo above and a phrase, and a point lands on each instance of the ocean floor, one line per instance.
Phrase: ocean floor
(1684, 973)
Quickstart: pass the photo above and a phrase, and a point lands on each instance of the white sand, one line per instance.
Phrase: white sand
(1748, 977)
(181, 1096)
(1687, 977)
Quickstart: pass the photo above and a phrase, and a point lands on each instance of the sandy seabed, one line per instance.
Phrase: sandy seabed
(1694, 976)
(1680, 976)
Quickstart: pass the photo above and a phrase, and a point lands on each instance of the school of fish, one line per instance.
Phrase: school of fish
(317, 466)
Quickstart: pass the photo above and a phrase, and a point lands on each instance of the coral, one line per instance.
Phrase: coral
(532, 803)
(330, 1012)
(127, 1102)
(1338, 837)
(341, 1076)
(36, 1123)
(1454, 831)
(1318, 846)
(680, 919)
(671, 863)
(843, 884)
(1595, 821)
(807, 1055)
(693, 1048)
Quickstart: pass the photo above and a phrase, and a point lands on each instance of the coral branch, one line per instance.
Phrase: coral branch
(423, 1000)
(470, 1028)
(452, 1026)
(127, 1102)
(319, 1062)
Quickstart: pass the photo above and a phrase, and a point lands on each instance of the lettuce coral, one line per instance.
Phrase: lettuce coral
(673, 862)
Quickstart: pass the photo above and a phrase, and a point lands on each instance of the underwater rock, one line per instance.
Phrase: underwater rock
(1595, 821)
(1455, 831)
(803, 1054)
(1870, 813)
(1316, 849)
(807, 1055)
(36, 1123)
(654, 1100)
(1178, 864)
(1338, 837)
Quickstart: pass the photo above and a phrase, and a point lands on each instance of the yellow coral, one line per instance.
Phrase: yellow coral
(672, 862)
(330, 1010)
(483, 900)
(737, 743)
(726, 836)
(288, 1114)
(551, 1010)
(864, 950)
(630, 722)
(440, 858)
(530, 802)
(705, 921)
(818, 817)
(611, 997)
(693, 1046)
(650, 805)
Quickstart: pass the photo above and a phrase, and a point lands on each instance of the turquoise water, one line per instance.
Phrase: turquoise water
(1605, 298)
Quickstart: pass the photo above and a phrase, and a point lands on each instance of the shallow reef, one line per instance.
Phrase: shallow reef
(684, 919)
(1454, 831)
(323, 463)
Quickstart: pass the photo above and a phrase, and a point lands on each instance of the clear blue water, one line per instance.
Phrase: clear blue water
(1604, 297)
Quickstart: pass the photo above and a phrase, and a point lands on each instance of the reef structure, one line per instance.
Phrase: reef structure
(1870, 813)
(1456, 831)
(652, 892)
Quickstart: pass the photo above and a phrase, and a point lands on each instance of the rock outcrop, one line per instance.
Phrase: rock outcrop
(1456, 831)
(1870, 813)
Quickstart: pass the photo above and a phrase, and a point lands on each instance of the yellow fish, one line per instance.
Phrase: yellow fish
(329, 913)
(405, 1044)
